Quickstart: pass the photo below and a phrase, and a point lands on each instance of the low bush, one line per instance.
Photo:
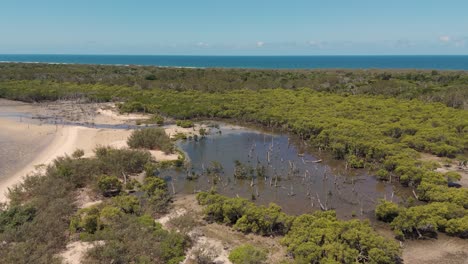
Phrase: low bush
(156, 196)
(33, 227)
(121, 161)
(248, 254)
(184, 123)
(109, 185)
(151, 138)
(244, 215)
(425, 220)
(310, 238)
(322, 238)
(458, 227)
(133, 239)
(16, 216)
(386, 211)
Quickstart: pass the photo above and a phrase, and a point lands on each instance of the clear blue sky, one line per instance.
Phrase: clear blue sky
(234, 27)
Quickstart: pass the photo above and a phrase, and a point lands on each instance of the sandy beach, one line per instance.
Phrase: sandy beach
(64, 141)
(26, 143)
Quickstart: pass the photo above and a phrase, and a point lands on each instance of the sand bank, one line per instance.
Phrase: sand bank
(172, 130)
(65, 140)
(26, 143)
(27, 139)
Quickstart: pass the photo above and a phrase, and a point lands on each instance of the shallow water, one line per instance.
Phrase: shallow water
(291, 179)
(17, 150)
(48, 120)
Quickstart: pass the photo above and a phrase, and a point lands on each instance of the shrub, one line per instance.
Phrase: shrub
(184, 123)
(78, 153)
(151, 138)
(354, 162)
(202, 132)
(442, 193)
(109, 185)
(425, 220)
(137, 240)
(264, 220)
(386, 211)
(383, 175)
(109, 215)
(184, 223)
(156, 119)
(121, 161)
(458, 227)
(130, 107)
(86, 220)
(245, 215)
(127, 203)
(16, 216)
(132, 185)
(179, 135)
(242, 171)
(452, 176)
(247, 254)
(78, 172)
(322, 238)
(150, 77)
(156, 195)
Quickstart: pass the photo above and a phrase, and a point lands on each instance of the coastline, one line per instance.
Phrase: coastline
(59, 145)
(38, 144)
(246, 62)
(65, 140)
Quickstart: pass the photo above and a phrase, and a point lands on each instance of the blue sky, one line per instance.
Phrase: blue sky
(235, 27)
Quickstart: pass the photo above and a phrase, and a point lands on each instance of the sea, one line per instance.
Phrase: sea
(428, 62)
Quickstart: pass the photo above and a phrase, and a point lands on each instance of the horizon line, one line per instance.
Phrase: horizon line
(227, 55)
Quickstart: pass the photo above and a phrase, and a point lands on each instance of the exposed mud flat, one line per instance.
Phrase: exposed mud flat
(444, 249)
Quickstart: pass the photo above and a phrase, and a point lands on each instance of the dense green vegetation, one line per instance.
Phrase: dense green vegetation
(322, 238)
(424, 221)
(247, 254)
(448, 87)
(42, 216)
(184, 123)
(130, 233)
(151, 138)
(310, 238)
(375, 132)
(381, 120)
(245, 216)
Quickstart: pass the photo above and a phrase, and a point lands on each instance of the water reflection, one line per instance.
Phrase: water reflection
(275, 168)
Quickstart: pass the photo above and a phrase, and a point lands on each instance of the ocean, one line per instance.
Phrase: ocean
(455, 62)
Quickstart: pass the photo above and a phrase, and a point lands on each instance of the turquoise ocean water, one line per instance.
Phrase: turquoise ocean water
(459, 62)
